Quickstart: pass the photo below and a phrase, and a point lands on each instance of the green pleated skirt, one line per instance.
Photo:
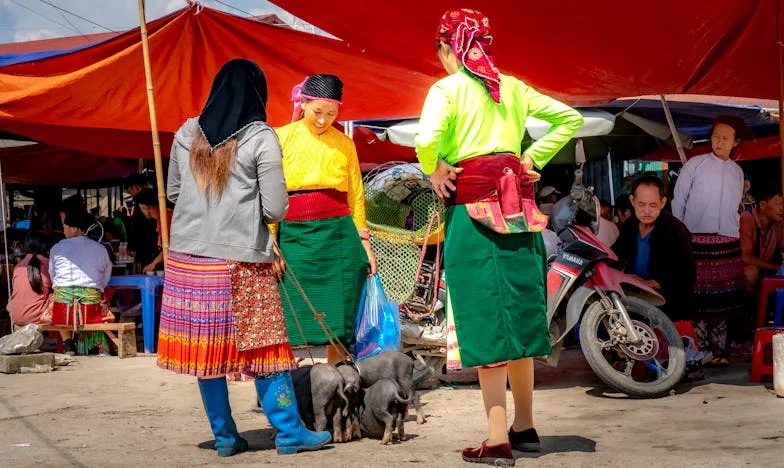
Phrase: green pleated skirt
(328, 259)
(496, 293)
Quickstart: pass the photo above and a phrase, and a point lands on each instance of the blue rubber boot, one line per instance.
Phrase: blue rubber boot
(280, 405)
(215, 396)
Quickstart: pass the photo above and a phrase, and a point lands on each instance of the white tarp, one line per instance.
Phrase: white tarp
(597, 122)
(15, 143)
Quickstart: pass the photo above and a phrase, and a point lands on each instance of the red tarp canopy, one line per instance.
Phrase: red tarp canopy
(581, 51)
(49, 165)
(94, 100)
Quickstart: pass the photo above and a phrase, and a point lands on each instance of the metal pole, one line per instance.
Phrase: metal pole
(610, 176)
(780, 52)
(673, 130)
(5, 231)
(156, 143)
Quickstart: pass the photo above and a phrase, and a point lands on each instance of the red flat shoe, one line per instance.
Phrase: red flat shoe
(496, 455)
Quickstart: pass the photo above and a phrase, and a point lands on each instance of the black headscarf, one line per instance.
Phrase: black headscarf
(238, 98)
(323, 87)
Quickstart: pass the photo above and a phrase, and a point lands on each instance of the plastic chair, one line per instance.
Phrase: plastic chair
(762, 359)
(767, 286)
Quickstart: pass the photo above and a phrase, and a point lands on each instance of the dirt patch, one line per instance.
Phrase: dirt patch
(105, 411)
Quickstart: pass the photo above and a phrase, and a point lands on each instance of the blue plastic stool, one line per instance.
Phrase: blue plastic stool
(778, 311)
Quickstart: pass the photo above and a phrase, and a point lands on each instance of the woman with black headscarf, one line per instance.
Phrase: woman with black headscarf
(221, 312)
(324, 236)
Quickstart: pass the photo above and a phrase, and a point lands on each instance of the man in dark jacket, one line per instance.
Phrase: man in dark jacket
(142, 238)
(656, 246)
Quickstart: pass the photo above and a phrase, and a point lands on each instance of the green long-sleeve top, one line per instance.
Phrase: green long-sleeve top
(460, 121)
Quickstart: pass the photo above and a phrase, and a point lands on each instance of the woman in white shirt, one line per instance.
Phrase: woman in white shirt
(80, 269)
(707, 200)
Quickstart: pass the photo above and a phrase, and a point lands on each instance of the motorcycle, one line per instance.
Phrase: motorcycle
(626, 339)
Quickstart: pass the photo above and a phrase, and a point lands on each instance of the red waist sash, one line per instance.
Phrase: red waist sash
(318, 204)
(481, 175)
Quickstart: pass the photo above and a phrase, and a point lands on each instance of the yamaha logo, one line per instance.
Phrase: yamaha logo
(573, 259)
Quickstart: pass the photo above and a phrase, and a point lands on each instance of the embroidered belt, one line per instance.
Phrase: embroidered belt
(317, 204)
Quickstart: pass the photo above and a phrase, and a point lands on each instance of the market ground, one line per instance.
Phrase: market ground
(111, 412)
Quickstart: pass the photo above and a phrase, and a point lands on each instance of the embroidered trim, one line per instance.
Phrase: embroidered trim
(213, 148)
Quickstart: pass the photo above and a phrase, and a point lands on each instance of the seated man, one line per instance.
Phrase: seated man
(608, 231)
(548, 196)
(656, 247)
(80, 268)
(623, 209)
(762, 238)
(147, 201)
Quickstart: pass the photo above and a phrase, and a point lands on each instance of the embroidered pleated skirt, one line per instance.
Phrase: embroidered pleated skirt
(719, 289)
(328, 260)
(205, 303)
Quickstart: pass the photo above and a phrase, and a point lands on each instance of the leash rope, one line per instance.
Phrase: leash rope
(317, 316)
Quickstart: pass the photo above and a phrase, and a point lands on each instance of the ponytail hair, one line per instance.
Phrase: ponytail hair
(210, 168)
(36, 244)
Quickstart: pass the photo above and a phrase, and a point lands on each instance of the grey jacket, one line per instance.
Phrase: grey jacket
(233, 226)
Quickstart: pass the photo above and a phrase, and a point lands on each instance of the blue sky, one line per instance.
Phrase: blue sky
(18, 23)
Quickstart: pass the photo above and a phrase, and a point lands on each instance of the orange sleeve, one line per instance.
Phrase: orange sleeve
(748, 233)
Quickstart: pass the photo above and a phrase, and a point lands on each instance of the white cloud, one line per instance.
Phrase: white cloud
(35, 35)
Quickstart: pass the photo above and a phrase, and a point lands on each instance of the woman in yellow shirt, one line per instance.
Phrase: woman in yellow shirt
(324, 237)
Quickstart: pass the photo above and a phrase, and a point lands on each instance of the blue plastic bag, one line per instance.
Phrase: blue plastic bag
(377, 327)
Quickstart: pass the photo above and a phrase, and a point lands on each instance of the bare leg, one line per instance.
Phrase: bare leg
(521, 379)
(493, 384)
(335, 355)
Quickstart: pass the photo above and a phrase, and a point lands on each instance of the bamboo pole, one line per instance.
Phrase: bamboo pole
(156, 143)
(780, 52)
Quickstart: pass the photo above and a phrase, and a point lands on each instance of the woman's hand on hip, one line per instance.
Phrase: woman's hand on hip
(528, 166)
(373, 263)
(442, 178)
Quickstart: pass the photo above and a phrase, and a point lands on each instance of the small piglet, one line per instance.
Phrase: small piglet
(397, 367)
(383, 411)
(354, 394)
(320, 397)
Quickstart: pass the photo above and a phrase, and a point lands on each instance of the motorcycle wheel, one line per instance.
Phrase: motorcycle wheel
(646, 377)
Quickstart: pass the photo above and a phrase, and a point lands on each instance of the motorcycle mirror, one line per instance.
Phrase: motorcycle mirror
(579, 152)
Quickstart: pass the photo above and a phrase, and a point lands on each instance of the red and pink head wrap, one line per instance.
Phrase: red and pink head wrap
(322, 87)
(468, 32)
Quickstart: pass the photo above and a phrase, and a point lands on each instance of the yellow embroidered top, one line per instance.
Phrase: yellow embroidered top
(326, 161)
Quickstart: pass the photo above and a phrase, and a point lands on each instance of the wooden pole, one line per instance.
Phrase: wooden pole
(779, 52)
(156, 143)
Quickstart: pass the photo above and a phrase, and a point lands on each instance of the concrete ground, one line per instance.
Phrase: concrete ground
(102, 411)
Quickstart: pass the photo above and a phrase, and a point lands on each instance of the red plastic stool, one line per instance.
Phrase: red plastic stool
(767, 286)
(686, 328)
(762, 359)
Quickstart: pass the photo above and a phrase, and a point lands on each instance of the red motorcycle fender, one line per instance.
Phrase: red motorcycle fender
(575, 308)
(607, 278)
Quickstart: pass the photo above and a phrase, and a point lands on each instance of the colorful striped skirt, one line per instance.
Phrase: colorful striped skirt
(197, 332)
(719, 289)
(496, 297)
(327, 257)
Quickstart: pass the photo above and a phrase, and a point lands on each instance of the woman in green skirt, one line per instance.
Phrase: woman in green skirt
(324, 237)
(475, 119)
